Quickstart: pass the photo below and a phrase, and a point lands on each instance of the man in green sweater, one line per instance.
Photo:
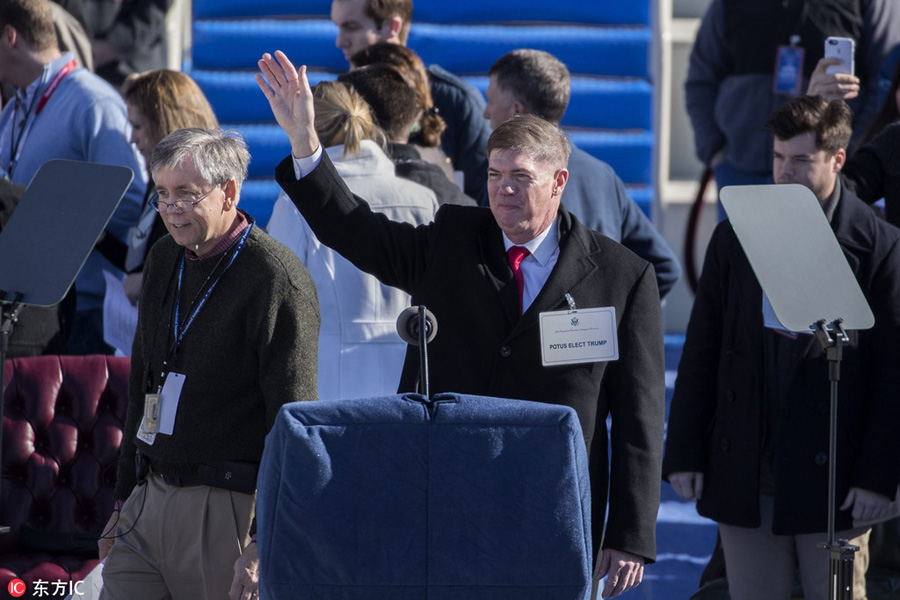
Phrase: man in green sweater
(227, 333)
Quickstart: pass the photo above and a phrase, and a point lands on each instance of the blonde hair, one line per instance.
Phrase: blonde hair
(343, 117)
(169, 100)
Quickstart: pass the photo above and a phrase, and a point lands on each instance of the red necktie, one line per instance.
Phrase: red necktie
(516, 255)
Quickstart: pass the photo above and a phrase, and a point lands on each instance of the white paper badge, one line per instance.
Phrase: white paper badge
(169, 398)
(583, 336)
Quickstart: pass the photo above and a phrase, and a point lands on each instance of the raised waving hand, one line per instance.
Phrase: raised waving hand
(290, 97)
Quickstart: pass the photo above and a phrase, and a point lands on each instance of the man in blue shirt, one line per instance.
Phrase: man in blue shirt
(64, 111)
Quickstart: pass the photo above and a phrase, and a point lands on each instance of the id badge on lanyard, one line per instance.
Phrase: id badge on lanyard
(788, 76)
(161, 408)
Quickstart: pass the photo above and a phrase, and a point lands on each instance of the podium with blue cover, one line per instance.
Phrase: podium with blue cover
(403, 497)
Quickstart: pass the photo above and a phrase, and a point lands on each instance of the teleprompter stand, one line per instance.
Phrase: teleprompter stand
(840, 553)
(48, 238)
(811, 288)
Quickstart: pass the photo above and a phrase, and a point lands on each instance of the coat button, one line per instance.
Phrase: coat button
(821, 459)
(725, 444)
(505, 351)
(730, 395)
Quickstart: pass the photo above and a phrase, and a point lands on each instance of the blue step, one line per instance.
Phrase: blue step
(602, 103)
(230, 9)
(268, 145)
(673, 344)
(607, 51)
(258, 198)
(239, 44)
(629, 153)
(596, 103)
(520, 11)
(440, 11)
(235, 96)
(610, 51)
(642, 196)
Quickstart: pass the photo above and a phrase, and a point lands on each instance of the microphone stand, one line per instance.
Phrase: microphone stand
(9, 318)
(424, 331)
(417, 326)
(840, 552)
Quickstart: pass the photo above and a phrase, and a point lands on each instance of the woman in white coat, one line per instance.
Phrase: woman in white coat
(360, 353)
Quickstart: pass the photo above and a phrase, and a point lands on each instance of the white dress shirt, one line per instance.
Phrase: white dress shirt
(536, 267)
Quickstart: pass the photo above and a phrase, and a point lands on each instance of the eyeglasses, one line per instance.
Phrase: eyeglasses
(184, 201)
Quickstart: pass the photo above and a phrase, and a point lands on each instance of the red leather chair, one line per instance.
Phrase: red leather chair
(62, 429)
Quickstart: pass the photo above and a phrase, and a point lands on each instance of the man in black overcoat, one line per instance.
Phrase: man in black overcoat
(748, 431)
(489, 338)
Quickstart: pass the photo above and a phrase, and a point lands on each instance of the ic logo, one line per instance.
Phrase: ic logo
(16, 588)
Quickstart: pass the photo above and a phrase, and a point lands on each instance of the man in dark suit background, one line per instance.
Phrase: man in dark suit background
(527, 81)
(748, 431)
(457, 266)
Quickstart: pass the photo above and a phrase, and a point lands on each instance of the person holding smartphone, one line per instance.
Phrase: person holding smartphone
(748, 434)
(750, 57)
(834, 77)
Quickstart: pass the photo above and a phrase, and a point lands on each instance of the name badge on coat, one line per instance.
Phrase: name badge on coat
(579, 336)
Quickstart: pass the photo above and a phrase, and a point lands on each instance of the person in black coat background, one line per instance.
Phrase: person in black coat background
(874, 172)
(748, 430)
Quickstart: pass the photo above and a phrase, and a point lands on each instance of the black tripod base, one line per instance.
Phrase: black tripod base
(840, 569)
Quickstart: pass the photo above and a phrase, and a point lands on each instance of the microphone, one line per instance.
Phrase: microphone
(409, 325)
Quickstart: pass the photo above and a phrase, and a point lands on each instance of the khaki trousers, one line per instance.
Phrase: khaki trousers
(760, 564)
(177, 543)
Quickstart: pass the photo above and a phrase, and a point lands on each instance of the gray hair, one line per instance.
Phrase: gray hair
(530, 134)
(219, 156)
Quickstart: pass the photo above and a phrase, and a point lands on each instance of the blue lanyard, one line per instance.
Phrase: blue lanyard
(180, 333)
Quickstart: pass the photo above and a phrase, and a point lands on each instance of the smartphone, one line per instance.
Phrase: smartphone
(841, 48)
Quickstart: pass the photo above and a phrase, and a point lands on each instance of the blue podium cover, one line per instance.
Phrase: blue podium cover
(403, 497)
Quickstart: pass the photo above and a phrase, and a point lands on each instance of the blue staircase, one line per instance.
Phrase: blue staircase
(606, 45)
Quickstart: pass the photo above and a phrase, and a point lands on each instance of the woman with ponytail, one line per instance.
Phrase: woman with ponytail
(360, 353)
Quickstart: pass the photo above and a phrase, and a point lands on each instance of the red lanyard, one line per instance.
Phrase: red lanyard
(16, 145)
(57, 79)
